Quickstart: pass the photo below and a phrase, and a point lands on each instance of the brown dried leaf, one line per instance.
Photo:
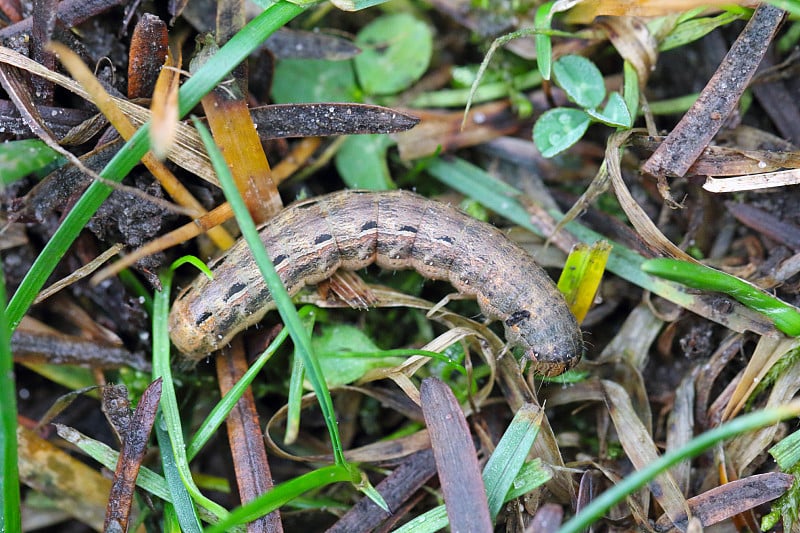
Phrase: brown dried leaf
(731, 499)
(72, 486)
(456, 459)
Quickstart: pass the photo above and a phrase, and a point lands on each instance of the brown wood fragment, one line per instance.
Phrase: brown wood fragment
(117, 408)
(731, 499)
(456, 460)
(780, 104)
(718, 99)
(70, 13)
(767, 224)
(61, 349)
(398, 486)
(548, 518)
(318, 120)
(148, 51)
(253, 475)
(133, 449)
(234, 131)
(44, 22)
(12, 9)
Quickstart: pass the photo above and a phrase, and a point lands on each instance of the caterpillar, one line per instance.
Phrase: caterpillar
(309, 240)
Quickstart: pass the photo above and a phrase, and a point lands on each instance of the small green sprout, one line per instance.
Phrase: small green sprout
(559, 128)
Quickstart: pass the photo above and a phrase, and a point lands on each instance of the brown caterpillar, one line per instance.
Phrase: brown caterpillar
(310, 240)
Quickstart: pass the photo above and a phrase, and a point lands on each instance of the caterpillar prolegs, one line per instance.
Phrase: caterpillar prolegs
(308, 241)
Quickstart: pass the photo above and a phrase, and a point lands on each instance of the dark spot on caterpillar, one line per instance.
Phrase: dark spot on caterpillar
(202, 318)
(323, 238)
(517, 317)
(235, 288)
(279, 259)
(408, 229)
(372, 224)
(445, 238)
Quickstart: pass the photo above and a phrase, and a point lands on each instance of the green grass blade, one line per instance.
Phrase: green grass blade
(785, 317)
(283, 301)
(220, 412)
(508, 457)
(106, 456)
(280, 494)
(180, 498)
(9, 474)
(205, 79)
(636, 480)
(169, 401)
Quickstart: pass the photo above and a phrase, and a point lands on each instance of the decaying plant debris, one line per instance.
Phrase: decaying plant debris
(445, 407)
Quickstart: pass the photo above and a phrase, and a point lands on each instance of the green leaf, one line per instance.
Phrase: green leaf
(694, 29)
(396, 52)
(20, 158)
(302, 81)
(558, 129)
(787, 452)
(614, 114)
(361, 162)
(630, 89)
(581, 80)
(341, 350)
(544, 45)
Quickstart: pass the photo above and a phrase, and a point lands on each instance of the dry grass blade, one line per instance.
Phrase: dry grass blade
(230, 123)
(456, 461)
(126, 129)
(632, 39)
(120, 497)
(79, 274)
(731, 499)
(165, 108)
(753, 182)
(745, 453)
(647, 230)
(396, 489)
(73, 486)
(377, 452)
(253, 475)
(717, 100)
(638, 443)
(188, 151)
(768, 352)
(680, 429)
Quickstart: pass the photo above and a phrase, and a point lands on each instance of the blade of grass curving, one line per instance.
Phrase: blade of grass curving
(595, 510)
(283, 301)
(282, 493)
(205, 79)
(9, 474)
(169, 404)
(220, 412)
